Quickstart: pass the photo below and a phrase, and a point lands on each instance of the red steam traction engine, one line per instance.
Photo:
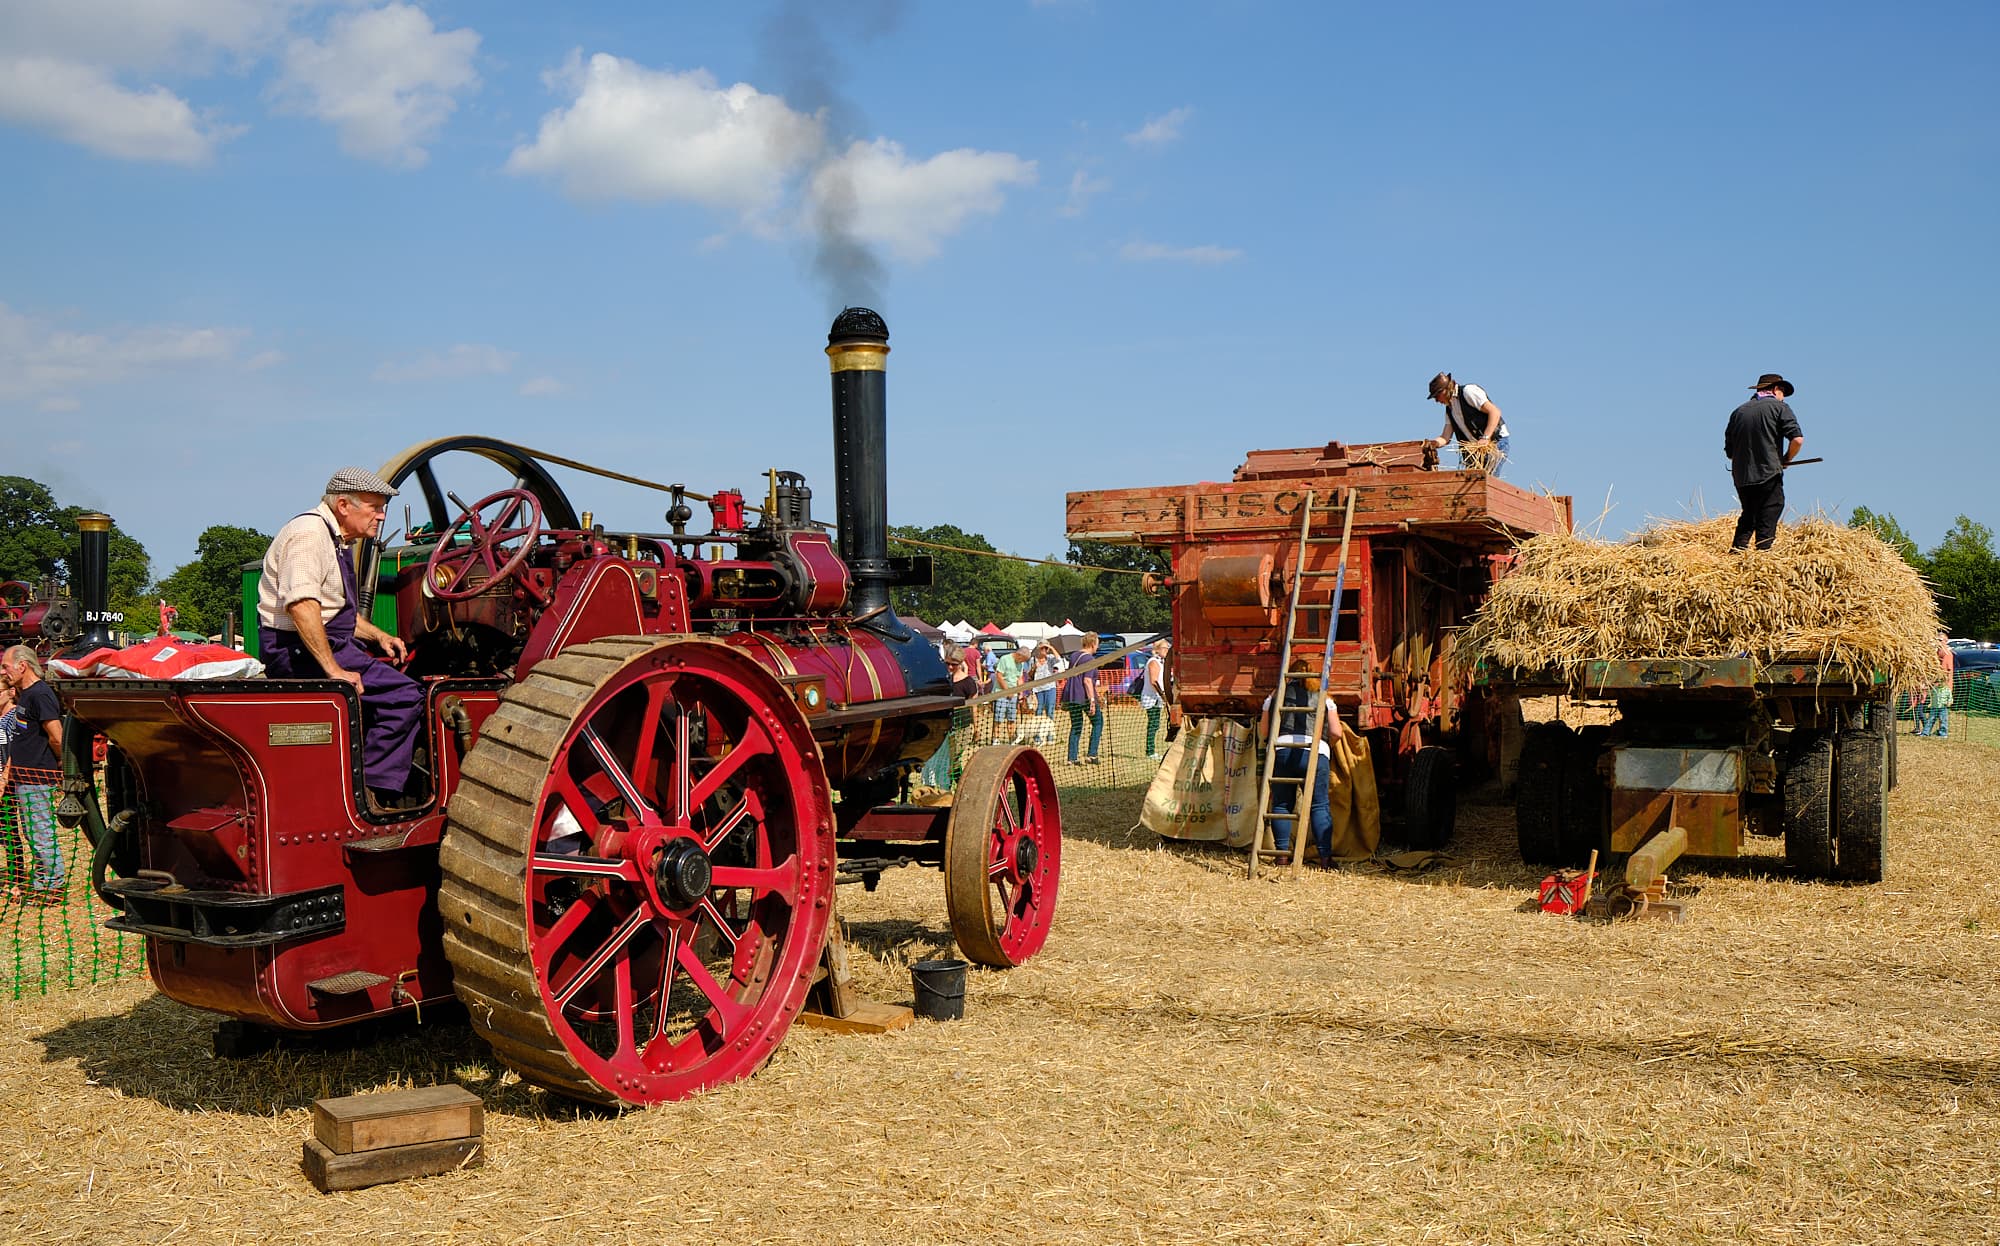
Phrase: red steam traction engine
(647, 773)
(1425, 547)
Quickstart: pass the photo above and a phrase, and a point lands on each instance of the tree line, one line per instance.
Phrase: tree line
(38, 546)
(1962, 570)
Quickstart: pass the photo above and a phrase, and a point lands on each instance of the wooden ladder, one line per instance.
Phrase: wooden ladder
(1301, 815)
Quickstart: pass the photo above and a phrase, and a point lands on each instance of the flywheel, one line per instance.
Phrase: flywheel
(638, 870)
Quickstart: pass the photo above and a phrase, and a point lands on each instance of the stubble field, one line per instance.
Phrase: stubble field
(1348, 1057)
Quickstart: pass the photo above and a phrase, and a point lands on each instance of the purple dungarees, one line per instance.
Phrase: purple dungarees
(391, 702)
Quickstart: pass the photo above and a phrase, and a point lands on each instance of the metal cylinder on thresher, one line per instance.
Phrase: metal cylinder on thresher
(93, 579)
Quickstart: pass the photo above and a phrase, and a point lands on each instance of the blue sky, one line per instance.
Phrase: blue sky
(243, 242)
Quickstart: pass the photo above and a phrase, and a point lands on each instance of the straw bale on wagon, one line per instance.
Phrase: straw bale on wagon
(1832, 595)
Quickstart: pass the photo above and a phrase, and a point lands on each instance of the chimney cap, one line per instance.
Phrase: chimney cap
(857, 324)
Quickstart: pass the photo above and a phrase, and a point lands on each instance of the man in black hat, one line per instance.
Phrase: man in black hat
(1762, 437)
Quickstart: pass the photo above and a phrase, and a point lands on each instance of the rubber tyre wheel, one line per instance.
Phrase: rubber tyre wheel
(1860, 807)
(1808, 784)
(1585, 797)
(1430, 799)
(1538, 792)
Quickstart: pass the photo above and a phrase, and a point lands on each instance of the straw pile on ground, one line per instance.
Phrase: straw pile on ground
(1838, 597)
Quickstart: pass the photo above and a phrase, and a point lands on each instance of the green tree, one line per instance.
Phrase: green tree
(33, 539)
(208, 588)
(1119, 602)
(1884, 525)
(38, 543)
(1967, 577)
(1056, 593)
(964, 586)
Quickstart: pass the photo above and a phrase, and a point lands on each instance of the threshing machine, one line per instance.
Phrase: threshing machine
(647, 771)
(1424, 548)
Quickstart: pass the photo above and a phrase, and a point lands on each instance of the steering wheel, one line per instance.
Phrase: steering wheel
(498, 545)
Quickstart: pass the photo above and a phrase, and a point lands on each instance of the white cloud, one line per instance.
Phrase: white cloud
(907, 206)
(543, 387)
(47, 364)
(635, 133)
(1153, 251)
(465, 359)
(263, 360)
(1082, 189)
(81, 104)
(385, 79)
(1161, 130)
(144, 34)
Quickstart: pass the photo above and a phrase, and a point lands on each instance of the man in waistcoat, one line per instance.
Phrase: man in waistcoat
(1471, 417)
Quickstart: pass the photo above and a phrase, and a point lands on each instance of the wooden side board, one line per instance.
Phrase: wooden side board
(1468, 508)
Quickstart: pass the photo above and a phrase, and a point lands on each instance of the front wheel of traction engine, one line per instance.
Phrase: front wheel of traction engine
(638, 870)
(1003, 856)
(1430, 799)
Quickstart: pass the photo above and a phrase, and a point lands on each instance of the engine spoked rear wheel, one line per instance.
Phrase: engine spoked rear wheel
(1003, 856)
(638, 870)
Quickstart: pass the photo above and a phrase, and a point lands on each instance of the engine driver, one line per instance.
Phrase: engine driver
(308, 626)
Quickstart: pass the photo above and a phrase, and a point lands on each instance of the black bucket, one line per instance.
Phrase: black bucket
(940, 987)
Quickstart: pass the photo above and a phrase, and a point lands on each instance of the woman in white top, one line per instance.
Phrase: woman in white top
(1153, 693)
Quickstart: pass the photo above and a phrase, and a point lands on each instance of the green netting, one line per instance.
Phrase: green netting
(54, 936)
(1122, 754)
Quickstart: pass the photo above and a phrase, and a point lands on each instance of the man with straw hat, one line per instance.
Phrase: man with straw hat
(309, 626)
(1763, 436)
(1471, 416)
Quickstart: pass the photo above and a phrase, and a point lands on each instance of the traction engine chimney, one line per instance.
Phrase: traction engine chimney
(93, 579)
(858, 347)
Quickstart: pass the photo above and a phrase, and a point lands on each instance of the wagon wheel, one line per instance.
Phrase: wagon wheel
(1430, 799)
(1538, 792)
(497, 543)
(1860, 806)
(638, 870)
(1585, 796)
(1808, 784)
(1003, 856)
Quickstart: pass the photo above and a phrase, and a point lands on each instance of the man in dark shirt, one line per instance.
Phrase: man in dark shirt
(34, 768)
(1762, 437)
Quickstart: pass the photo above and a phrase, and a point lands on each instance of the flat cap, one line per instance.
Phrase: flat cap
(358, 480)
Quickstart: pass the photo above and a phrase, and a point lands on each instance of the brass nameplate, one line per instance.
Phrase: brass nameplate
(301, 733)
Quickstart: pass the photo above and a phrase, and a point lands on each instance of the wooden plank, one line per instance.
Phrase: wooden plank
(329, 1171)
(866, 1017)
(393, 1118)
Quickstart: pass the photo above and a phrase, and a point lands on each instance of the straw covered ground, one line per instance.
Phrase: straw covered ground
(1352, 1057)
(1823, 592)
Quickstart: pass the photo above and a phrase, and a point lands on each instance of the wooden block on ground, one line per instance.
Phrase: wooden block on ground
(394, 1118)
(329, 1172)
(867, 1017)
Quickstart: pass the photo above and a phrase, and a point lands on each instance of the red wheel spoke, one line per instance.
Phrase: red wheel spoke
(507, 511)
(721, 926)
(683, 807)
(779, 877)
(602, 957)
(755, 743)
(582, 866)
(731, 1014)
(649, 734)
(621, 1012)
(552, 940)
(615, 771)
(669, 962)
(728, 824)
